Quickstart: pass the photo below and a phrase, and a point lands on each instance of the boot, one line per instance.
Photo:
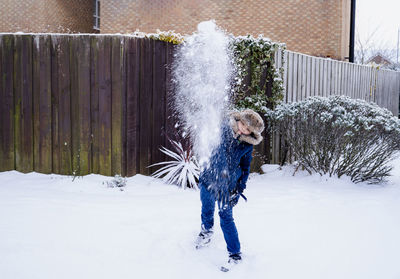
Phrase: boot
(204, 237)
(233, 260)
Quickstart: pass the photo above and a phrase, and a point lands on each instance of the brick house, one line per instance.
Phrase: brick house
(55, 16)
(315, 27)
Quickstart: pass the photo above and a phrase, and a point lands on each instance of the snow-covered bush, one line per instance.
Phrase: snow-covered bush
(183, 170)
(338, 135)
(117, 182)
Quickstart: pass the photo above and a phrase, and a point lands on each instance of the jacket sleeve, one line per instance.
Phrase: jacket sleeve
(245, 166)
(215, 175)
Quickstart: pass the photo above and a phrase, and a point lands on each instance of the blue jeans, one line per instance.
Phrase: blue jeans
(226, 220)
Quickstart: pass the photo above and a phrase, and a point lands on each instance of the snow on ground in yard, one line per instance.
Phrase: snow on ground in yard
(292, 227)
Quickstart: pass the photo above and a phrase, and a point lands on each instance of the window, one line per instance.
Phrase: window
(96, 15)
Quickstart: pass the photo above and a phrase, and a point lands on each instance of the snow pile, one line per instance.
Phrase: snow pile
(202, 74)
(309, 227)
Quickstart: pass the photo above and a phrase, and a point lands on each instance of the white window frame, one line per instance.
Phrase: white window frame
(96, 15)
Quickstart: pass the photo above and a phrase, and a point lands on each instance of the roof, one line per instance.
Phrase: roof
(379, 59)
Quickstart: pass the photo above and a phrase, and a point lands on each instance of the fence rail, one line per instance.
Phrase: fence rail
(99, 103)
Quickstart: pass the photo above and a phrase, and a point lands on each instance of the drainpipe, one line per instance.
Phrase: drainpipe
(352, 30)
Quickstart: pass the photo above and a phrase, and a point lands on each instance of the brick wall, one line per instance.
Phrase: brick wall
(62, 16)
(315, 27)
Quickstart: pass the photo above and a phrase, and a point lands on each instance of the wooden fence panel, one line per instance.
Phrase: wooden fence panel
(285, 76)
(343, 79)
(392, 82)
(312, 76)
(7, 154)
(171, 118)
(355, 80)
(368, 87)
(290, 71)
(379, 90)
(353, 77)
(132, 113)
(308, 77)
(55, 107)
(75, 117)
(387, 98)
(325, 78)
(96, 53)
(378, 84)
(42, 105)
(295, 72)
(351, 81)
(299, 76)
(338, 75)
(104, 128)
(328, 77)
(388, 84)
(318, 77)
(373, 84)
(80, 104)
(339, 79)
(362, 83)
(23, 103)
(118, 99)
(333, 77)
(159, 102)
(145, 110)
(369, 84)
(62, 153)
(303, 83)
(385, 89)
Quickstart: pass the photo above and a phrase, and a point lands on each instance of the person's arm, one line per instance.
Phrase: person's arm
(216, 175)
(245, 166)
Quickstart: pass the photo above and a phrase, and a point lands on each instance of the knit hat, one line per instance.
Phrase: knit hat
(254, 123)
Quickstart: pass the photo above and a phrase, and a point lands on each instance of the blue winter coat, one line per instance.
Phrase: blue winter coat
(229, 166)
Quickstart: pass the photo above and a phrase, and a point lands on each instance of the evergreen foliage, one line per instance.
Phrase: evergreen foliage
(254, 60)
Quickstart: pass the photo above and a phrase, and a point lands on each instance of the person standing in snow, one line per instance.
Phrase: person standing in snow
(224, 179)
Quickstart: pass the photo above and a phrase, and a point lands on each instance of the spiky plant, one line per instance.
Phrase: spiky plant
(183, 170)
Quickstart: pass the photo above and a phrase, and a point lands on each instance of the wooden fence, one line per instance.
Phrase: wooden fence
(79, 104)
(306, 76)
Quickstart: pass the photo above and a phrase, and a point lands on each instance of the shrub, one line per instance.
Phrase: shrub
(183, 170)
(117, 182)
(338, 135)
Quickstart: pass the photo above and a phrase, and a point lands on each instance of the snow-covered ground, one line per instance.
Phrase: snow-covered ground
(292, 227)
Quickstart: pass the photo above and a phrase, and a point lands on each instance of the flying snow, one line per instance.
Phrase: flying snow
(202, 74)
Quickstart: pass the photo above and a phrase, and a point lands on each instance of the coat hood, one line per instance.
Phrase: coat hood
(252, 121)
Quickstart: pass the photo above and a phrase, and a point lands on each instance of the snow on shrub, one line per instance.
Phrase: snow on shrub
(117, 182)
(339, 136)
